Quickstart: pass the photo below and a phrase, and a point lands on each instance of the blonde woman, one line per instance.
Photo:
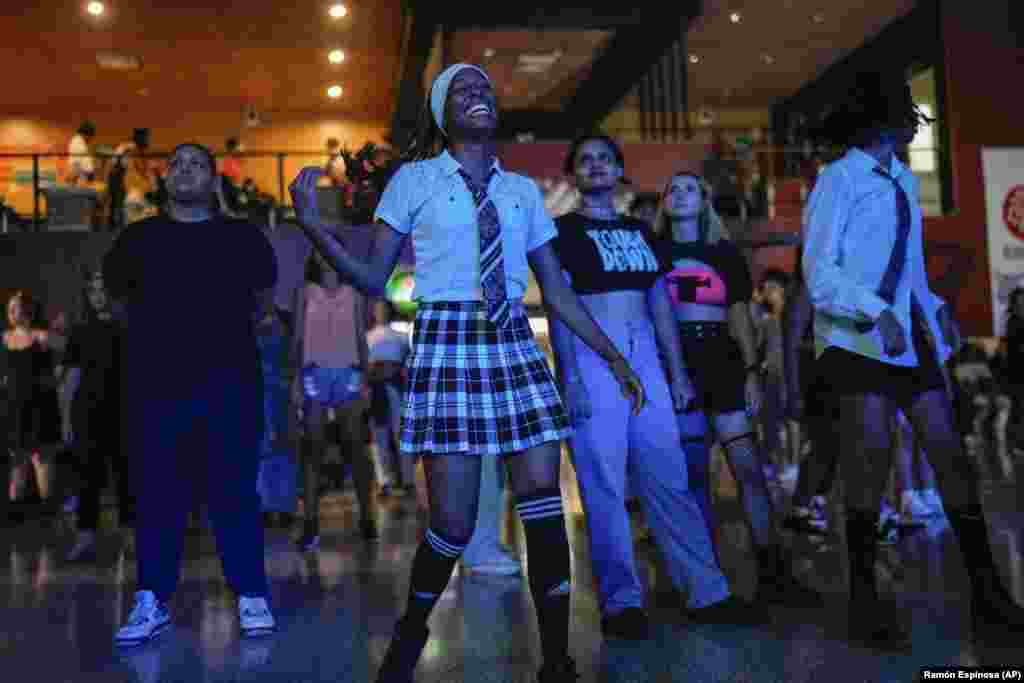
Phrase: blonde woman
(710, 288)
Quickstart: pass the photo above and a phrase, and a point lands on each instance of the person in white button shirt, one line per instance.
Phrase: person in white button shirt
(881, 336)
(478, 384)
(81, 165)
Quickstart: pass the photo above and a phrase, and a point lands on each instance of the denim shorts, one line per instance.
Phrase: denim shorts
(330, 387)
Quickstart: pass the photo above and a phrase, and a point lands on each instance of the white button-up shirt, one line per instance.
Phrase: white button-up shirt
(430, 199)
(849, 227)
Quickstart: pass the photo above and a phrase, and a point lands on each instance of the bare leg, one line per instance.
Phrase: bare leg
(314, 446)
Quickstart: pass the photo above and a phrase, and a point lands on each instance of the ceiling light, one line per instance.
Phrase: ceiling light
(334, 92)
(95, 8)
(336, 56)
(735, 17)
(117, 61)
(767, 59)
(694, 59)
(489, 52)
(338, 11)
(818, 18)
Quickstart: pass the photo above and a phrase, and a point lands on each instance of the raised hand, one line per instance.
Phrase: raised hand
(303, 192)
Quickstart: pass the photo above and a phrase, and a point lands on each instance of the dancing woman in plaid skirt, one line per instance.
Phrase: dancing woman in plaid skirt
(478, 384)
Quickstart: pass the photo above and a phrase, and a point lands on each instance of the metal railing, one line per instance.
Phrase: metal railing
(30, 184)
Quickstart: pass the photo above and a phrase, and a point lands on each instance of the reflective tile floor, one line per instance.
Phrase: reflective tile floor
(336, 609)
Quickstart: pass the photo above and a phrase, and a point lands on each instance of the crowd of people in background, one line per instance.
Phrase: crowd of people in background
(656, 309)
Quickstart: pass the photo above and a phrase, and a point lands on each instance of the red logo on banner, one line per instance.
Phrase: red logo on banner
(1013, 211)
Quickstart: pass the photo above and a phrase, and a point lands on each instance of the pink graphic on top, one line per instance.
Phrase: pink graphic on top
(696, 286)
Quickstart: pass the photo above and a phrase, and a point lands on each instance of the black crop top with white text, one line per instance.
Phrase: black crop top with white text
(606, 255)
(708, 274)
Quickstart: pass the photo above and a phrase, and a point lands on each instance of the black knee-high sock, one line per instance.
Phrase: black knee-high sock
(547, 547)
(861, 530)
(698, 467)
(431, 569)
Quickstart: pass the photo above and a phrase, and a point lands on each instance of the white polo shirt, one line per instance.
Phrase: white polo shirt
(430, 200)
(849, 226)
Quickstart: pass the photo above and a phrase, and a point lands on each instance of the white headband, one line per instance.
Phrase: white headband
(439, 91)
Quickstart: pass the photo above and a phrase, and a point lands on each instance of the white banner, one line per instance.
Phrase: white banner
(1004, 214)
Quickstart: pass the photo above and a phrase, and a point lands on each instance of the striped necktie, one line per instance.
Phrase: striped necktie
(492, 263)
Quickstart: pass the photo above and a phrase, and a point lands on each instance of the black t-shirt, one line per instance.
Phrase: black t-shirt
(708, 274)
(189, 291)
(95, 348)
(1015, 350)
(606, 255)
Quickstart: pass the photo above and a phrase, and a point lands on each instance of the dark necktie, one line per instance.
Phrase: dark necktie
(492, 263)
(898, 258)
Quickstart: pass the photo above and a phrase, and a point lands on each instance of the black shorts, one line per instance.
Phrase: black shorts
(716, 367)
(849, 373)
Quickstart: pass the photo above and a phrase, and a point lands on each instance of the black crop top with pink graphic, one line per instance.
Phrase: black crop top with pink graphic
(719, 278)
(606, 255)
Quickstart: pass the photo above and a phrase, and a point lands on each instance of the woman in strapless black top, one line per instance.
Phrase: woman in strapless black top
(33, 414)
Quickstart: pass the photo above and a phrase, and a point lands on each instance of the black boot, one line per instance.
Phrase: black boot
(869, 623)
(559, 671)
(995, 617)
(776, 584)
(403, 653)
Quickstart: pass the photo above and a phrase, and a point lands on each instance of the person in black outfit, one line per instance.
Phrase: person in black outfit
(1013, 371)
(33, 408)
(92, 367)
(193, 404)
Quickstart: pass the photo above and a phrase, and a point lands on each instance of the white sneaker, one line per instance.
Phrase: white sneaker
(147, 620)
(913, 506)
(254, 617)
(502, 564)
(933, 500)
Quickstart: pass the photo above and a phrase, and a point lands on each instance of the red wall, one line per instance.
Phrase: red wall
(984, 101)
(648, 165)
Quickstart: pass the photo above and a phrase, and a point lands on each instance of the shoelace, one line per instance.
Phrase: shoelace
(255, 612)
(141, 613)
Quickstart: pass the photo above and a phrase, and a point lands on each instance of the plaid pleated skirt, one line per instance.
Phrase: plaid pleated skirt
(474, 388)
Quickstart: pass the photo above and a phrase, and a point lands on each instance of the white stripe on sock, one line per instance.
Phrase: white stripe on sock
(528, 505)
(442, 546)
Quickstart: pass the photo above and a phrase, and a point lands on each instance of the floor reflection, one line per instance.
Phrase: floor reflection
(336, 609)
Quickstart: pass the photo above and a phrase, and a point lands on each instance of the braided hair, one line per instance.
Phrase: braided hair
(428, 140)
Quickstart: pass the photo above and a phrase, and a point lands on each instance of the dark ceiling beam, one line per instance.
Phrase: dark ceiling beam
(558, 16)
(628, 57)
(425, 23)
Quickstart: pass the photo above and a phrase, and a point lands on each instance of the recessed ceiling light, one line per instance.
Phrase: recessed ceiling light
(818, 18)
(694, 59)
(735, 17)
(336, 56)
(489, 52)
(337, 11)
(95, 8)
(767, 59)
(334, 92)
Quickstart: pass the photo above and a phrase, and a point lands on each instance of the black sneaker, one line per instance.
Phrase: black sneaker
(732, 610)
(786, 591)
(368, 530)
(629, 624)
(563, 671)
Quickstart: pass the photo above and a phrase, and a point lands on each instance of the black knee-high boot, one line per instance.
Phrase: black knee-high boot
(431, 569)
(995, 617)
(868, 622)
